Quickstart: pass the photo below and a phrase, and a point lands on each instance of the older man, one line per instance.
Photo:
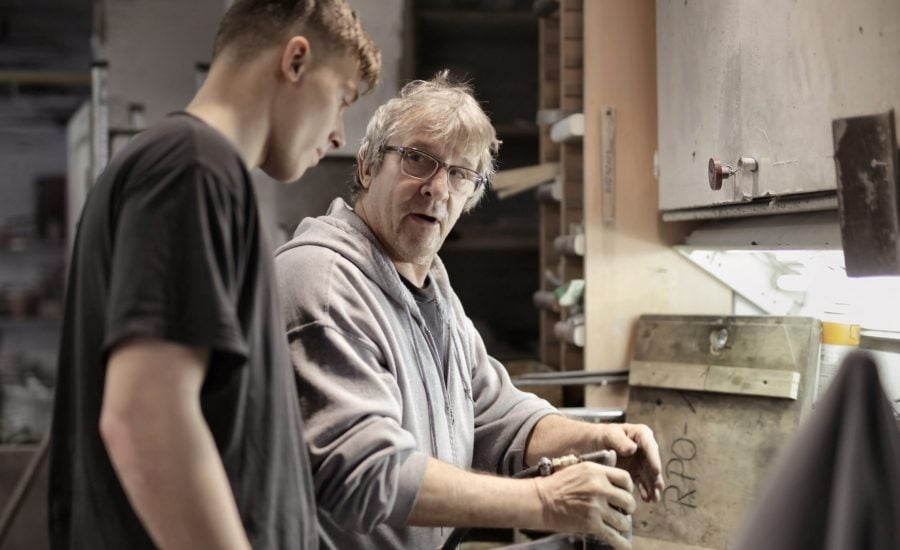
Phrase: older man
(401, 400)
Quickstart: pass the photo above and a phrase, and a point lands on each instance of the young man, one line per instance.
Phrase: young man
(176, 422)
(403, 399)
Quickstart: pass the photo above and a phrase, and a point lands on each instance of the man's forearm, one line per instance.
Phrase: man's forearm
(555, 435)
(584, 498)
(453, 497)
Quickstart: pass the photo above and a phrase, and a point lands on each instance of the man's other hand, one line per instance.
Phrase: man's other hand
(588, 498)
(637, 453)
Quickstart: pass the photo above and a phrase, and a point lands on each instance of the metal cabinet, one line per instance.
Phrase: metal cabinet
(762, 80)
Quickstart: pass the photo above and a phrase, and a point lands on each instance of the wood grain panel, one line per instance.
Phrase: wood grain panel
(628, 267)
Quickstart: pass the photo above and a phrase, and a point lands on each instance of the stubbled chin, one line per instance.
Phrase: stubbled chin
(420, 248)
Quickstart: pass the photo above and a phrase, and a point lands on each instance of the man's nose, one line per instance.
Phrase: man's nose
(437, 186)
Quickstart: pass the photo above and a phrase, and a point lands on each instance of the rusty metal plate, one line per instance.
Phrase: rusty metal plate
(716, 446)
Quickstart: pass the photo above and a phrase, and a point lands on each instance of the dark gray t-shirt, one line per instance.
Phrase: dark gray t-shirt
(170, 246)
(427, 302)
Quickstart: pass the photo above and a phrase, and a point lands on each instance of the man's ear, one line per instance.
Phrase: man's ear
(363, 173)
(295, 58)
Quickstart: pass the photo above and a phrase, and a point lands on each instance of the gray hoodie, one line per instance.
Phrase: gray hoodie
(376, 400)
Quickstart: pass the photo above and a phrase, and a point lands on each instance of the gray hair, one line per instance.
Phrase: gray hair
(443, 110)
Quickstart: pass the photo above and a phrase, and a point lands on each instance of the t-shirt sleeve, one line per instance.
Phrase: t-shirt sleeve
(179, 243)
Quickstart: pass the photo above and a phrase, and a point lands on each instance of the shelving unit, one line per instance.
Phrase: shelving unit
(31, 287)
(561, 93)
(549, 211)
(571, 158)
(482, 44)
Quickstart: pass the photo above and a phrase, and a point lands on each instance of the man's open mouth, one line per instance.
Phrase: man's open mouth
(425, 218)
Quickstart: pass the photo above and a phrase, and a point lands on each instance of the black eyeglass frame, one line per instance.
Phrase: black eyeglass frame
(478, 179)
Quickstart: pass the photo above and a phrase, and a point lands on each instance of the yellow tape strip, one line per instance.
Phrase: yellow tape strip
(840, 334)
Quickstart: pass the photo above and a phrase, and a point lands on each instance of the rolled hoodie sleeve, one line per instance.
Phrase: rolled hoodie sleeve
(504, 415)
(366, 466)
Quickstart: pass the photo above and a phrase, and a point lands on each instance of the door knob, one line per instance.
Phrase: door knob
(718, 173)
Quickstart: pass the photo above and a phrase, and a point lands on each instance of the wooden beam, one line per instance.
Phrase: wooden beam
(715, 378)
(525, 178)
(55, 78)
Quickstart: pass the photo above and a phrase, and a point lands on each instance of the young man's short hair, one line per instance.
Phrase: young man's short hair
(250, 26)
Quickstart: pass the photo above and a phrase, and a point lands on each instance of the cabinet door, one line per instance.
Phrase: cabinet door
(764, 79)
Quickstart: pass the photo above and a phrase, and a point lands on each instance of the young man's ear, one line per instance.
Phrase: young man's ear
(295, 58)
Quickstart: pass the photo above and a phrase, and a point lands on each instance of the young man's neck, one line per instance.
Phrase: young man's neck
(235, 101)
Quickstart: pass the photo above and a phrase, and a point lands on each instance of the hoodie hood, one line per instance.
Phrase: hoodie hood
(344, 232)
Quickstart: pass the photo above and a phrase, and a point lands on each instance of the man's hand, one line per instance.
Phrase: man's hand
(634, 444)
(637, 453)
(588, 498)
(584, 498)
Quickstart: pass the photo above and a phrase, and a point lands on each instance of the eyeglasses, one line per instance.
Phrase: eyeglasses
(422, 166)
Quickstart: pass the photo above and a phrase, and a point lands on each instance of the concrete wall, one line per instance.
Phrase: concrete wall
(152, 48)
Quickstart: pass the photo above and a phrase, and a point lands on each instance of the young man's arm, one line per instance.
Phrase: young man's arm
(580, 499)
(162, 449)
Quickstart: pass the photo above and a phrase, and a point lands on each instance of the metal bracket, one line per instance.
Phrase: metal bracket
(608, 173)
(99, 117)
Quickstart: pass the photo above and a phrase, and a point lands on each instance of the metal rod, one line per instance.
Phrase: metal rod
(23, 487)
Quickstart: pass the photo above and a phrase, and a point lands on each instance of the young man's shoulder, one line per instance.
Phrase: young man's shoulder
(177, 146)
(183, 137)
